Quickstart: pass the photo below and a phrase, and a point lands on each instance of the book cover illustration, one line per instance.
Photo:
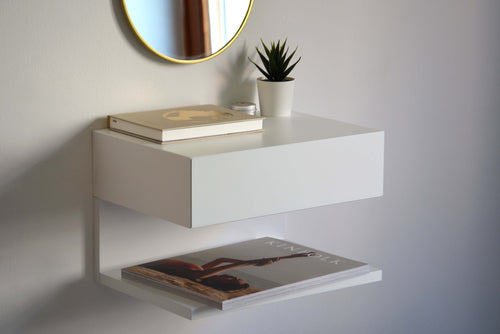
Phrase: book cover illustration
(244, 272)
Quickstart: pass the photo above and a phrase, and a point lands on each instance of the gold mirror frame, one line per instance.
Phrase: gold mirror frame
(186, 61)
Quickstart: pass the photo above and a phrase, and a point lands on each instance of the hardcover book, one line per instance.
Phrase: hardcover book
(239, 274)
(162, 126)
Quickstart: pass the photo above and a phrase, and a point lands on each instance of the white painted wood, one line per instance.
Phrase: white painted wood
(139, 177)
(191, 309)
(96, 237)
(286, 178)
(296, 163)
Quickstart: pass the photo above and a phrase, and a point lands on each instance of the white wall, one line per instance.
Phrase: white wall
(426, 72)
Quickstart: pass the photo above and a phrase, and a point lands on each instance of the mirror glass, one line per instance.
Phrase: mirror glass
(187, 31)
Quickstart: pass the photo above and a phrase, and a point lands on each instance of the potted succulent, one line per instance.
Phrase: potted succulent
(275, 89)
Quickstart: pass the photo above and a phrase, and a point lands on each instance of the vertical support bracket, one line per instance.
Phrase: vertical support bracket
(96, 238)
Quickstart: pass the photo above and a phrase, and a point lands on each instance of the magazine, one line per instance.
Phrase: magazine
(245, 272)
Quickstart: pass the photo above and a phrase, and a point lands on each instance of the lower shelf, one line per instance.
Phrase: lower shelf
(192, 309)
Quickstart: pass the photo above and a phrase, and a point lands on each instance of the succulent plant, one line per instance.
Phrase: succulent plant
(276, 61)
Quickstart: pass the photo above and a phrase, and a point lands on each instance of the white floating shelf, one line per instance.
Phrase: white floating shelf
(296, 163)
(191, 309)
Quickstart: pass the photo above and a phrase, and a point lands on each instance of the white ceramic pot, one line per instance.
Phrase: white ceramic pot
(275, 97)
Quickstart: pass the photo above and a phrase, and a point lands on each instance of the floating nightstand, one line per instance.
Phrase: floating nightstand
(296, 163)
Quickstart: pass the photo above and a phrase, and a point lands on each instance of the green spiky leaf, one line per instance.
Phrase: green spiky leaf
(275, 60)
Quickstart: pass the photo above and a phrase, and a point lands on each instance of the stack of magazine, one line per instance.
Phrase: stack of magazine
(242, 273)
(186, 123)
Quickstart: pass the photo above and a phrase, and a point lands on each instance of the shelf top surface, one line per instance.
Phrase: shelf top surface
(277, 131)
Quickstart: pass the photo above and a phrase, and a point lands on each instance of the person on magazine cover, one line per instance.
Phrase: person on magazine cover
(207, 274)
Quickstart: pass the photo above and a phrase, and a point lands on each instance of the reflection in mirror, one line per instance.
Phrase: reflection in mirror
(187, 31)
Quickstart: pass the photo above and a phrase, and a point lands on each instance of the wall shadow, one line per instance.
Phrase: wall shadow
(34, 211)
(75, 307)
(239, 84)
(52, 199)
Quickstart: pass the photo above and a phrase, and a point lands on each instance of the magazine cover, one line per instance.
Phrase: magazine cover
(244, 272)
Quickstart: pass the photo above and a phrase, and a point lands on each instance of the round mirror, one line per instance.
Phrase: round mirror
(187, 31)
